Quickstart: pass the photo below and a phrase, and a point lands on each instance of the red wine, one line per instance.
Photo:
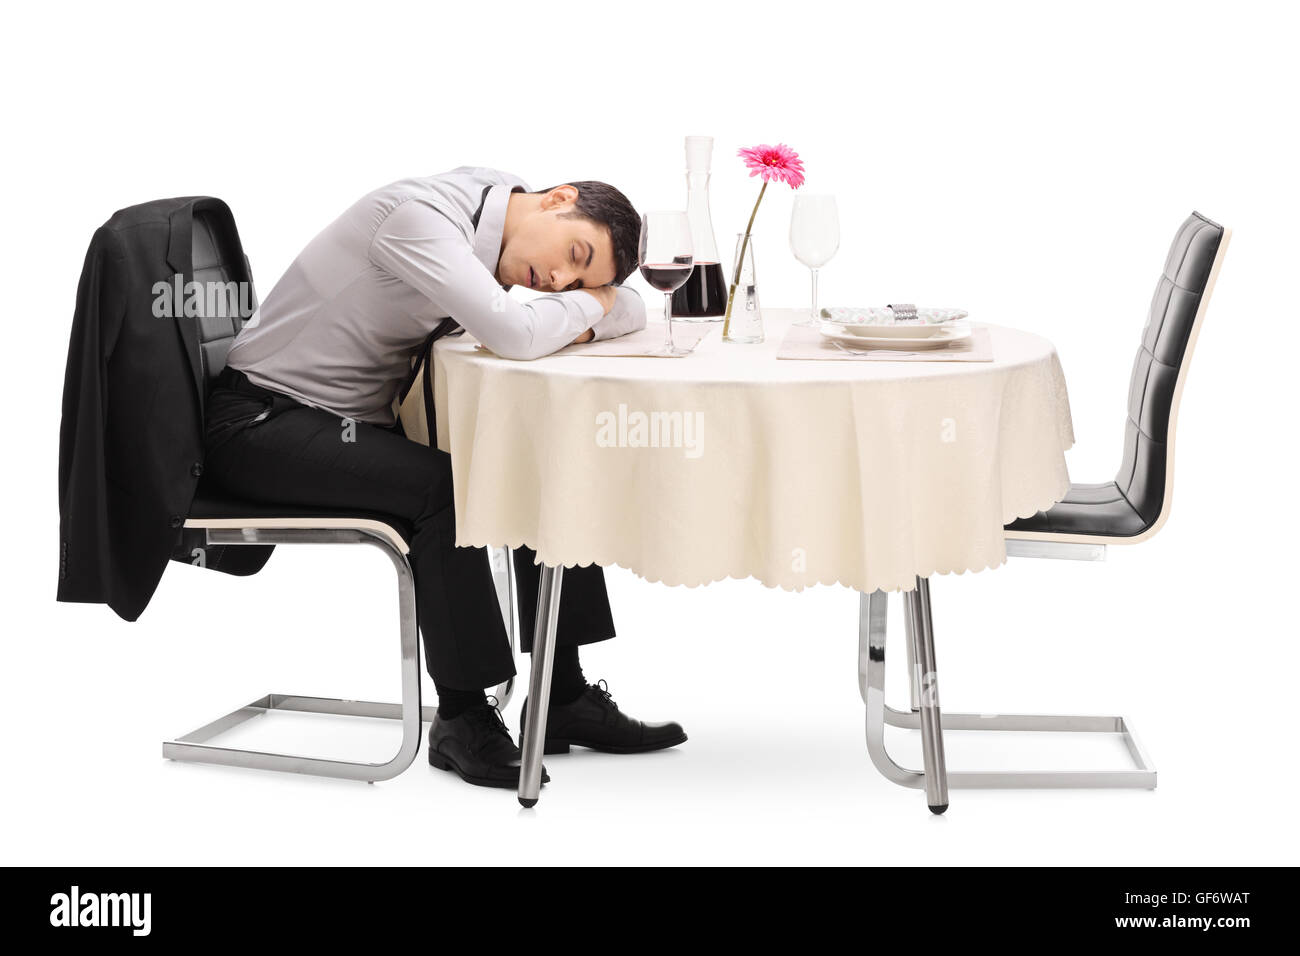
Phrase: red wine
(704, 294)
(666, 276)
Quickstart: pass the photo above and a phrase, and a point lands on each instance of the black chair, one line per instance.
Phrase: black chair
(219, 520)
(1129, 509)
(1135, 505)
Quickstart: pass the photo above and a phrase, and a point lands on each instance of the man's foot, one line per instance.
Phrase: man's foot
(594, 721)
(477, 746)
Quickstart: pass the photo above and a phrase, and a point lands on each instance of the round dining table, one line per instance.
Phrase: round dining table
(732, 462)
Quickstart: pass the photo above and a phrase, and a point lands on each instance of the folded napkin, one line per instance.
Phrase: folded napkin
(891, 315)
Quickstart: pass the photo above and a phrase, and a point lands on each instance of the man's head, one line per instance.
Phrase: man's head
(569, 236)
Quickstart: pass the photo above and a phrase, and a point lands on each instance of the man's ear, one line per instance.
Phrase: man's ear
(560, 196)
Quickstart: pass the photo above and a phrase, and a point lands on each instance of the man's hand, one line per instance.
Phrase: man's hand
(604, 294)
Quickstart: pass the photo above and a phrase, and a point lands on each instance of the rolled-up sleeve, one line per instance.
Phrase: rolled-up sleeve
(420, 246)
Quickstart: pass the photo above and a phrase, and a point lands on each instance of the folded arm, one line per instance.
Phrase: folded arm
(418, 245)
(627, 315)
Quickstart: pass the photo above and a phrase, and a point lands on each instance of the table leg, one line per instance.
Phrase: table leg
(539, 684)
(936, 771)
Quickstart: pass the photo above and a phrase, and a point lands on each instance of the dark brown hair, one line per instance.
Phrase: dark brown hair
(604, 205)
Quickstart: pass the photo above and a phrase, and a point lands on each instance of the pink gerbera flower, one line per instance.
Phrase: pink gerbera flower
(777, 163)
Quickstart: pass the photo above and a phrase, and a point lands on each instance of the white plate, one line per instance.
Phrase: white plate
(883, 317)
(905, 331)
(860, 339)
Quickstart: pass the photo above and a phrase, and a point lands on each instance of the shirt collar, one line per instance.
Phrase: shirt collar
(490, 224)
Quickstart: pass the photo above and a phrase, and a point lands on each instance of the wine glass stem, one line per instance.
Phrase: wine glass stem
(668, 321)
(813, 314)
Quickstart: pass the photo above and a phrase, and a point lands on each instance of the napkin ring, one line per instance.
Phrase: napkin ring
(903, 313)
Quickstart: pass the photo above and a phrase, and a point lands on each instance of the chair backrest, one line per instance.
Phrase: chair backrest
(218, 258)
(1173, 321)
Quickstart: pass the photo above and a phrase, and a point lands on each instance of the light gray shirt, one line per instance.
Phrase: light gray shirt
(340, 328)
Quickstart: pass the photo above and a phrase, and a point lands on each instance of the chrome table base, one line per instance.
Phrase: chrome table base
(195, 745)
(539, 684)
(926, 716)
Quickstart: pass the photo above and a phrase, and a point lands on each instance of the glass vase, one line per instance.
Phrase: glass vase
(744, 320)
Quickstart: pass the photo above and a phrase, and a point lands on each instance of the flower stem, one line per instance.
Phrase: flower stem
(744, 245)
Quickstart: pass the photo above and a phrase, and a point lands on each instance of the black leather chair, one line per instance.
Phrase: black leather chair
(1135, 505)
(1126, 510)
(218, 520)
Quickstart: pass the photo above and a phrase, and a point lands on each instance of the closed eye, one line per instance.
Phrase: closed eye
(573, 258)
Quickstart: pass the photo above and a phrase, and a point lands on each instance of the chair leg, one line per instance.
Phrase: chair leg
(539, 686)
(913, 679)
(503, 573)
(194, 746)
(871, 683)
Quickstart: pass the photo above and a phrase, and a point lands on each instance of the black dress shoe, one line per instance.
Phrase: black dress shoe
(477, 746)
(594, 721)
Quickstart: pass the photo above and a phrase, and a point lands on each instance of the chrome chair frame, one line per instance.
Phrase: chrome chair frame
(502, 563)
(925, 713)
(196, 746)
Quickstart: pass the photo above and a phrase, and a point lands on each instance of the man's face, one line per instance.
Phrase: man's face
(550, 253)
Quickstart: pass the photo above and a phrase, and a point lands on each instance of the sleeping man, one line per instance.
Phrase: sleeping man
(304, 415)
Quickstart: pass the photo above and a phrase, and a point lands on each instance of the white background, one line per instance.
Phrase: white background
(1028, 162)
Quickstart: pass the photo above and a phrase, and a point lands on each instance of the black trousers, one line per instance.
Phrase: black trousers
(265, 447)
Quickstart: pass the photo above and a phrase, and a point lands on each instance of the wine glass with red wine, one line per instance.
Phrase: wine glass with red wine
(666, 260)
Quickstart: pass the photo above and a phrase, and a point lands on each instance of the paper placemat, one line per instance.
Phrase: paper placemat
(801, 342)
(640, 344)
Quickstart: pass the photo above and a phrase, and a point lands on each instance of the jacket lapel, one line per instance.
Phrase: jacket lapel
(180, 256)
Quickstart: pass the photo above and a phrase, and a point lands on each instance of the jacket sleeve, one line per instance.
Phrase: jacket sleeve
(420, 246)
(83, 497)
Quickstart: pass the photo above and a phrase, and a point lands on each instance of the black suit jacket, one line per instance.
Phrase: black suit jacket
(131, 437)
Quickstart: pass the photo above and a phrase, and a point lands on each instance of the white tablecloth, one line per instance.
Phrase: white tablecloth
(795, 472)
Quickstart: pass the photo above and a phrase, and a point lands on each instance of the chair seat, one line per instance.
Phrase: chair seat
(212, 504)
(1086, 510)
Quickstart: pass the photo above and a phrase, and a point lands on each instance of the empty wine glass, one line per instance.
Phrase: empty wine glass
(814, 239)
(666, 260)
